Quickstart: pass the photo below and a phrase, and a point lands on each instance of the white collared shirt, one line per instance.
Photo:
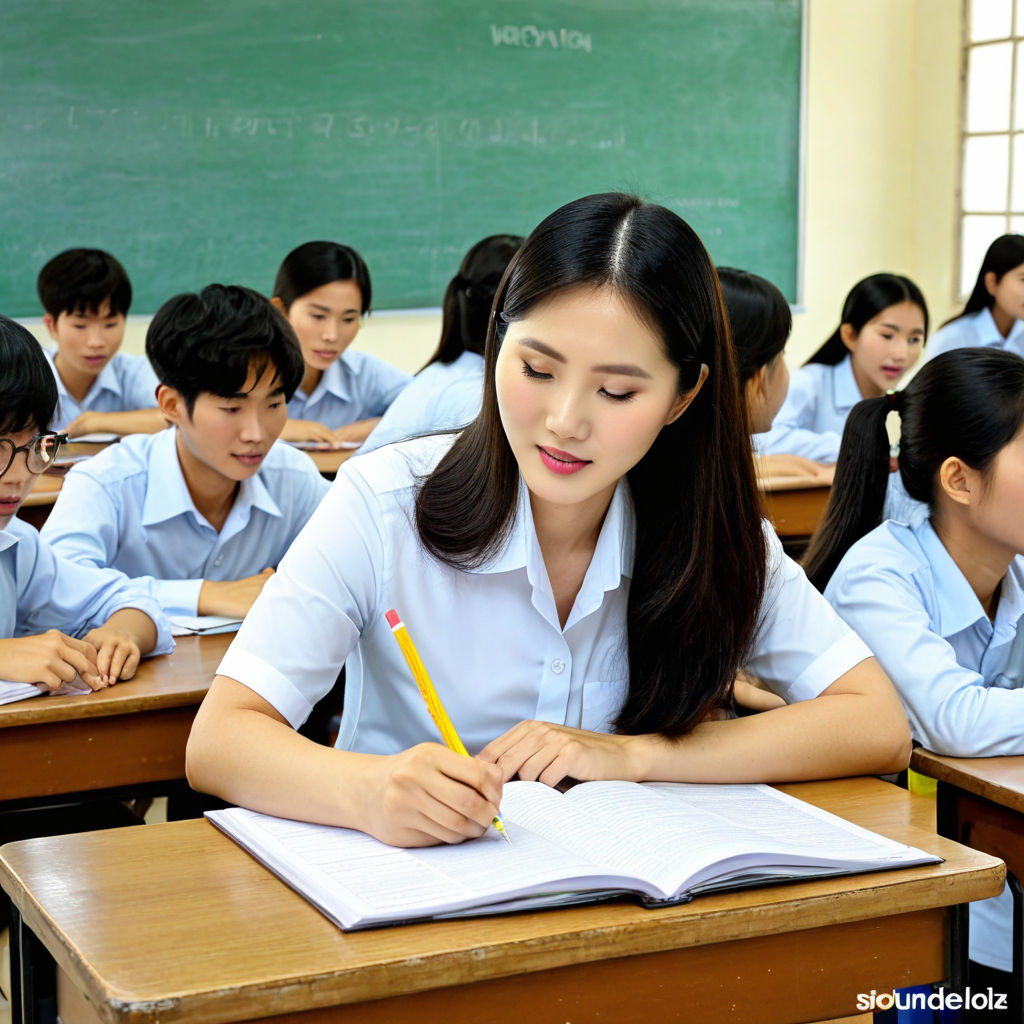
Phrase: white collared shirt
(356, 386)
(129, 507)
(127, 382)
(956, 671)
(976, 330)
(41, 591)
(442, 396)
(810, 422)
(490, 638)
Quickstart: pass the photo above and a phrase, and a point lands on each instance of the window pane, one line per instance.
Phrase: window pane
(988, 88)
(1018, 110)
(1017, 184)
(986, 171)
(1017, 225)
(978, 235)
(990, 19)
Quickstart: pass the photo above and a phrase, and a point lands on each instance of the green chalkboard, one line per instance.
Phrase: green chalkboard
(200, 140)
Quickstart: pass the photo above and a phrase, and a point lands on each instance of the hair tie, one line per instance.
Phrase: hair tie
(895, 400)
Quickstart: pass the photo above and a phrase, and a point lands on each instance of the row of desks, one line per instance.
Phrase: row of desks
(176, 923)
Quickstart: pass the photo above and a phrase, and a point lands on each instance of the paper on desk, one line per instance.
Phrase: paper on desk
(10, 692)
(100, 437)
(325, 446)
(187, 625)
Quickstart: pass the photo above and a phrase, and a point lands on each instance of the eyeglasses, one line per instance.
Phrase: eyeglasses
(40, 452)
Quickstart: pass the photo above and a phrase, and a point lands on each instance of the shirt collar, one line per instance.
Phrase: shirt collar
(8, 538)
(844, 385)
(958, 605)
(106, 380)
(335, 380)
(167, 493)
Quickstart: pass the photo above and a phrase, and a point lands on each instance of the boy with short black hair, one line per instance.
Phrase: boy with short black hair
(57, 619)
(200, 513)
(86, 295)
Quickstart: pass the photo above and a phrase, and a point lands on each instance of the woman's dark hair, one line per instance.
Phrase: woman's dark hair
(28, 391)
(210, 340)
(967, 403)
(866, 300)
(314, 264)
(1005, 253)
(466, 309)
(700, 553)
(759, 317)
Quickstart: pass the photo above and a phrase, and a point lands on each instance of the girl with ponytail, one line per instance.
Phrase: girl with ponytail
(446, 393)
(880, 336)
(941, 603)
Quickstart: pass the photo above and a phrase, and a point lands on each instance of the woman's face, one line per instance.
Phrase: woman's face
(584, 387)
(765, 393)
(886, 347)
(326, 320)
(1008, 292)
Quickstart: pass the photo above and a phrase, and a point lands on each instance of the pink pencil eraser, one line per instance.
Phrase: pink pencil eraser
(393, 619)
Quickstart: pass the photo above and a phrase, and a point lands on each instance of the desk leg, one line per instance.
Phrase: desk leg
(1017, 995)
(947, 824)
(33, 977)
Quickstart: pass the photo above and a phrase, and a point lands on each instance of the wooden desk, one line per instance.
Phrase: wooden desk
(176, 923)
(127, 736)
(794, 505)
(330, 462)
(980, 803)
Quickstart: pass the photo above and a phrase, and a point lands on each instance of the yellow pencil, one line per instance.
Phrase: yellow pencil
(430, 698)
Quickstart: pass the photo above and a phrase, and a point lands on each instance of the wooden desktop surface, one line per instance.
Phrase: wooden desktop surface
(794, 504)
(175, 923)
(130, 733)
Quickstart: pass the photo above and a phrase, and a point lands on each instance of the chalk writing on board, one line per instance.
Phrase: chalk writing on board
(532, 37)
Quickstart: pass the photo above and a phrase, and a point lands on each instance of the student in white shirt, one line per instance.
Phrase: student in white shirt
(992, 316)
(760, 321)
(199, 514)
(584, 569)
(86, 295)
(941, 603)
(324, 290)
(446, 393)
(880, 336)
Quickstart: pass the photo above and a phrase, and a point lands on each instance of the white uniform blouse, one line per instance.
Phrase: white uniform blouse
(976, 330)
(958, 673)
(490, 638)
(810, 422)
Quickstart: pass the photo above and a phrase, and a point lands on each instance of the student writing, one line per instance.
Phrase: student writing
(992, 315)
(324, 290)
(201, 512)
(941, 602)
(569, 564)
(881, 334)
(760, 321)
(57, 619)
(446, 393)
(86, 295)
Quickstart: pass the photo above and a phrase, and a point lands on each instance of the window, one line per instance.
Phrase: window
(992, 181)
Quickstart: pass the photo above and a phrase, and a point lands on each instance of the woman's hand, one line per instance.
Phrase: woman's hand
(306, 430)
(428, 794)
(548, 753)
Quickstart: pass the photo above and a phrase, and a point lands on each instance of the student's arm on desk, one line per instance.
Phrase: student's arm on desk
(771, 467)
(306, 430)
(358, 431)
(243, 750)
(231, 597)
(133, 421)
(49, 660)
(854, 727)
(120, 642)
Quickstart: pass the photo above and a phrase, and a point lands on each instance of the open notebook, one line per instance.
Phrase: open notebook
(660, 842)
(10, 692)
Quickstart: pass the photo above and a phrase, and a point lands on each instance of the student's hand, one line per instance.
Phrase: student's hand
(231, 597)
(751, 693)
(428, 794)
(774, 466)
(48, 660)
(117, 653)
(89, 422)
(306, 430)
(358, 431)
(548, 753)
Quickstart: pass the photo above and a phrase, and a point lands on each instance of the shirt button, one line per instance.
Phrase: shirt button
(218, 560)
(558, 666)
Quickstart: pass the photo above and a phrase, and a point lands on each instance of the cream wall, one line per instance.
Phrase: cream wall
(881, 169)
